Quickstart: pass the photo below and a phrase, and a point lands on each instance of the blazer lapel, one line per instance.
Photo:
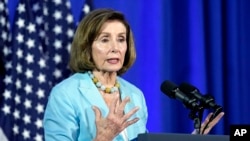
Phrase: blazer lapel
(91, 93)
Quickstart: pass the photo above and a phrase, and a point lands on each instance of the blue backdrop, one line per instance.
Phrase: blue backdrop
(205, 43)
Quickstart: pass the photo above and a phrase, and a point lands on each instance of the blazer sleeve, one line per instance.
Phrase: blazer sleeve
(60, 123)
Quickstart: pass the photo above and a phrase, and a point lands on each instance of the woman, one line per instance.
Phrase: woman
(95, 103)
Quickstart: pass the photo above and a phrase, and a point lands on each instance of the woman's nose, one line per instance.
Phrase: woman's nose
(114, 46)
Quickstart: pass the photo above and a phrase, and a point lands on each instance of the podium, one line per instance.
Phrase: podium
(180, 137)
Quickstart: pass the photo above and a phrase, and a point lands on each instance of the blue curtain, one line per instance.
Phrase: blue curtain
(204, 43)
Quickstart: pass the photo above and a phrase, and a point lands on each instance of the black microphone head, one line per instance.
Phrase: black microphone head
(206, 100)
(168, 88)
(187, 88)
(172, 91)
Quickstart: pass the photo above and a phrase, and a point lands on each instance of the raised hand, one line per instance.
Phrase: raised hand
(115, 122)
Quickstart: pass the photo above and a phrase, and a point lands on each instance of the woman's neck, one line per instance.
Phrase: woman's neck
(106, 78)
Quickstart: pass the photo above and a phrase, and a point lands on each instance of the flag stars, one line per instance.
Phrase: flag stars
(36, 7)
(6, 51)
(27, 104)
(21, 8)
(31, 28)
(57, 29)
(29, 58)
(41, 78)
(57, 58)
(58, 44)
(42, 34)
(40, 93)
(42, 63)
(68, 47)
(26, 119)
(28, 88)
(15, 129)
(39, 123)
(57, 2)
(29, 73)
(70, 33)
(19, 68)
(6, 109)
(30, 43)
(69, 18)
(7, 94)
(38, 137)
(19, 53)
(57, 15)
(20, 38)
(86, 9)
(20, 23)
(32, 79)
(57, 73)
(26, 134)
(8, 79)
(2, 21)
(68, 4)
(39, 108)
(45, 11)
(18, 84)
(40, 48)
(4, 34)
(16, 114)
(39, 20)
(8, 65)
(2, 6)
(17, 99)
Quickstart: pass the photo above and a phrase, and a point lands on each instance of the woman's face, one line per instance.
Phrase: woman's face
(109, 48)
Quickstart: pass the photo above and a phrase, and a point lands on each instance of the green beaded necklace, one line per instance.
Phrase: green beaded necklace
(103, 88)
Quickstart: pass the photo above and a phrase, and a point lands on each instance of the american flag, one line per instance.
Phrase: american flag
(5, 39)
(42, 34)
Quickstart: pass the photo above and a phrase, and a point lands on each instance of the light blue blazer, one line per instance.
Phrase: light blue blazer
(69, 116)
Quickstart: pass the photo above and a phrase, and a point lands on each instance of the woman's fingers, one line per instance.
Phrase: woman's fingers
(117, 107)
(128, 115)
(217, 119)
(127, 123)
(206, 120)
(212, 123)
(115, 102)
(121, 107)
(117, 120)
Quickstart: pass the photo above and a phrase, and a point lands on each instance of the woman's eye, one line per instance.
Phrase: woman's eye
(104, 40)
(121, 39)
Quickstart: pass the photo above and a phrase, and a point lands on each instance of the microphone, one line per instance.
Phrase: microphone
(172, 90)
(206, 101)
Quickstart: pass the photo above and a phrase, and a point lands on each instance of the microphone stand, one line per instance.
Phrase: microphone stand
(196, 114)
